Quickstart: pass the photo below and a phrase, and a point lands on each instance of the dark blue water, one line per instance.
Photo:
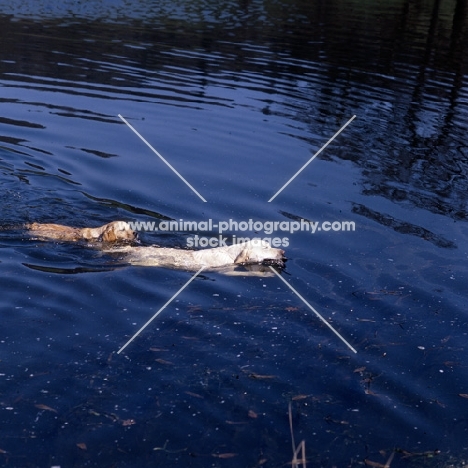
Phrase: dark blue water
(237, 96)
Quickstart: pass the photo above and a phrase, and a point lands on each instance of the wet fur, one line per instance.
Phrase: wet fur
(112, 232)
(253, 252)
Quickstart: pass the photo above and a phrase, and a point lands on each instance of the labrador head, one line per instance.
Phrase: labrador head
(117, 231)
(259, 251)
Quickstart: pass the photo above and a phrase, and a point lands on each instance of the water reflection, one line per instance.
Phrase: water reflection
(239, 94)
(403, 75)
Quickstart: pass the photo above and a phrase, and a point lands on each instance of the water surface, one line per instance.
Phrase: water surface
(237, 96)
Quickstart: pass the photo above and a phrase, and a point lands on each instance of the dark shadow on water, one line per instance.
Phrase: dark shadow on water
(404, 227)
(68, 271)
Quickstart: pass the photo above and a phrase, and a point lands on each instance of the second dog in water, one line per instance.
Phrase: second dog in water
(111, 232)
(253, 252)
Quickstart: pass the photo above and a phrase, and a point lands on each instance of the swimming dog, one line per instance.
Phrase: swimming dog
(111, 232)
(253, 252)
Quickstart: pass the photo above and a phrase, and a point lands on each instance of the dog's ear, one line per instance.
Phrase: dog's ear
(243, 256)
(108, 236)
(108, 233)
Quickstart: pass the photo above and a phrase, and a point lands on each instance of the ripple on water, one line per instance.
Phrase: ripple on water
(211, 378)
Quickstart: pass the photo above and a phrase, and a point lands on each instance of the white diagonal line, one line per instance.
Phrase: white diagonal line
(158, 154)
(312, 158)
(313, 310)
(160, 310)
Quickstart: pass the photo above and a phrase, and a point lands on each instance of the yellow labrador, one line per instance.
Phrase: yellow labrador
(112, 232)
(249, 253)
